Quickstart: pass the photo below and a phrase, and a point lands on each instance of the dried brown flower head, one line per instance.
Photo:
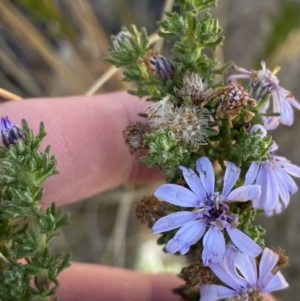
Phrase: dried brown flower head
(134, 136)
(283, 259)
(244, 205)
(197, 274)
(234, 100)
(149, 209)
(186, 293)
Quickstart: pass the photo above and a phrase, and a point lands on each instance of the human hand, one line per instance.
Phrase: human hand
(85, 134)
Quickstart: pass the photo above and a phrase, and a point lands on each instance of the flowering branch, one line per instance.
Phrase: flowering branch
(211, 140)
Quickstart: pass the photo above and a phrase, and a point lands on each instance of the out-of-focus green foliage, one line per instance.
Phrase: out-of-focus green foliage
(48, 13)
(286, 20)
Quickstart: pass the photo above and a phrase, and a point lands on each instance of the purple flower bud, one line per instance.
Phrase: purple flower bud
(120, 38)
(10, 133)
(162, 66)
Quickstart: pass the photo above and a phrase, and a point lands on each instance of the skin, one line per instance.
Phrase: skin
(85, 134)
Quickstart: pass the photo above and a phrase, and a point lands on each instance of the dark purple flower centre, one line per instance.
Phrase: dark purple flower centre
(216, 209)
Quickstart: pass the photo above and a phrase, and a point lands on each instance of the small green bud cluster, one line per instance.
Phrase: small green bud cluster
(163, 150)
(249, 147)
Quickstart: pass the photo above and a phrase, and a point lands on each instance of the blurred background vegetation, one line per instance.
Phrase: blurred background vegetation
(56, 48)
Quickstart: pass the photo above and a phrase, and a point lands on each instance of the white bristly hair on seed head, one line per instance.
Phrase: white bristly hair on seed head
(157, 112)
(186, 122)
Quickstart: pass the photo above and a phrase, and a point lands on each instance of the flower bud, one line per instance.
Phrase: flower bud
(157, 63)
(134, 136)
(162, 66)
(120, 38)
(10, 133)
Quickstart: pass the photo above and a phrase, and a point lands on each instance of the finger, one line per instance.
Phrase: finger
(91, 282)
(85, 134)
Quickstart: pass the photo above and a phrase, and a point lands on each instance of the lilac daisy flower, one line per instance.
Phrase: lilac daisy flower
(265, 82)
(239, 272)
(274, 177)
(210, 210)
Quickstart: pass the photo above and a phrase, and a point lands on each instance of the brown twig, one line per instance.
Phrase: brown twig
(6, 95)
(102, 80)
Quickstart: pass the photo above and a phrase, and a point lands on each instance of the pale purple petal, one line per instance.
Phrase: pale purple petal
(247, 267)
(194, 182)
(261, 180)
(286, 112)
(207, 174)
(243, 242)
(267, 263)
(184, 249)
(174, 245)
(245, 193)
(277, 282)
(290, 168)
(231, 175)
(244, 71)
(276, 102)
(277, 210)
(269, 191)
(252, 173)
(280, 159)
(274, 147)
(177, 195)
(234, 77)
(289, 182)
(197, 236)
(213, 292)
(226, 271)
(270, 123)
(186, 236)
(292, 101)
(173, 221)
(213, 246)
(283, 189)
